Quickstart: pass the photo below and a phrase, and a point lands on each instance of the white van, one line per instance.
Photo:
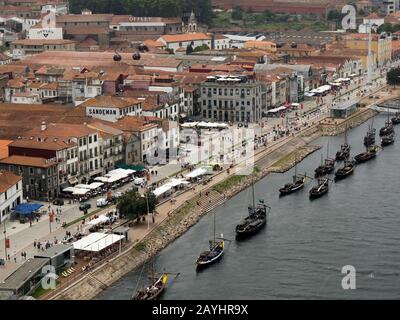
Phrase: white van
(101, 202)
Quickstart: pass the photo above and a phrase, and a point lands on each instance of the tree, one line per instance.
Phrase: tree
(237, 13)
(334, 15)
(201, 48)
(393, 76)
(189, 49)
(133, 206)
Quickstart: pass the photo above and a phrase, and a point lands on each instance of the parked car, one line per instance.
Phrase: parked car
(58, 202)
(102, 202)
(85, 206)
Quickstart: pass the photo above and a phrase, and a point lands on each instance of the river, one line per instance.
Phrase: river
(301, 253)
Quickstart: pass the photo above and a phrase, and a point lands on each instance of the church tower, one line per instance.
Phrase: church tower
(192, 23)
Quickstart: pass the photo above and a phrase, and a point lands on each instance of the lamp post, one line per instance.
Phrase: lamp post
(148, 211)
(50, 217)
(5, 241)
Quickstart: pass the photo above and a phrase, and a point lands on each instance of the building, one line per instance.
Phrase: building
(27, 278)
(39, 175)
(146, 25)
(231, 99)
(112, 108)
(344, 109)
(381, 46)
(60, 256)
(20, 48)
(371, 20)
(111, 144)
(264, 45)
(178, 41)
(140, 138)
(10, 192)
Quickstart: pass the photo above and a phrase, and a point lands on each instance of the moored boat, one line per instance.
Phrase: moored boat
(387, 140)
(396, 118)
(154, 290)
(367, 155)
(320, 189)
(344, 152)
(345, 171)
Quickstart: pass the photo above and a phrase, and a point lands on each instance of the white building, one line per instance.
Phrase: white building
(39, 33)
(112, 108)
(10, 192)
(178, 41)
(372, 20)
(26, 97)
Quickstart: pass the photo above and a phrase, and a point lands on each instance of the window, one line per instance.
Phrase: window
(90, 139)
(95, 138)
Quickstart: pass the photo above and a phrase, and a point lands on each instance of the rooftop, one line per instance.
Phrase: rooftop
(110, 102)
(7, 180)
(184, 37)
(23, 274)
(29, 161)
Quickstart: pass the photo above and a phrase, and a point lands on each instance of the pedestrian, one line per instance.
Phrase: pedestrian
(15, 259)
(154, 220)
(8, 256)
(156, 172)
(34, 244)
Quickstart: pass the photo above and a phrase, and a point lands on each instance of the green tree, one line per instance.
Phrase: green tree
(133, 206)
(237, 13)
(393, 76)
(201, 48)
(334, 15)
(386, 27)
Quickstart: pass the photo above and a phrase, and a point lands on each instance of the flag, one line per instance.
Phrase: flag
(51, 215)
(8, 244)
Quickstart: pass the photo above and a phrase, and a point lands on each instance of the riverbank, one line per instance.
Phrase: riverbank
(180, 221)
(189, 213)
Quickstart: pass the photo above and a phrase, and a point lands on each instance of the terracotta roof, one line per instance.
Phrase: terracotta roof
(28, 161)
(62, 130)
(25, 94)
(87, 30)
(4, 57)
(132, 124)
(4, 148)
(109, 101)
(84, 18)
(15, 83)
(184, 37)
(7, 180)
(101, 127)
(41, 42)
(45, 144)
(153, 43)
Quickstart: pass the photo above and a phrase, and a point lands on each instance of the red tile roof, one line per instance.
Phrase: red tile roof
(7, 180)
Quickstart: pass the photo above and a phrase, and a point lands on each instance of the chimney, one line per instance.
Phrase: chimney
(43, 126)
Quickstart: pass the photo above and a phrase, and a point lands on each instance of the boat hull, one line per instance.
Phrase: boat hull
(343, 175)
(287, 191)
(205, 264)
(361, 158)
(248, 233)
(316, 195)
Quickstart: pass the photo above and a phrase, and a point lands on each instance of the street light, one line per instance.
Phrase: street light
(148, 211)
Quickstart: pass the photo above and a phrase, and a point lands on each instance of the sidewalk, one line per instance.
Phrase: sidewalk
(22, 240)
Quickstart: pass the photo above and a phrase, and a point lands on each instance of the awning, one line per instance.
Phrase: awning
(101, 179)
(82, 186)
(95, 185)
(80, 191)
(27, 208)
(161, 190)
(196, 173)
(101, 219)
(69, 189)
(132, 167)
(97, 241)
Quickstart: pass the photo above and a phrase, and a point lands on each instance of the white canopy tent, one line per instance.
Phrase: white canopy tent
(69, 189)
(80, 191)
(101, 179)
(100, 219)
(95, 185)
(82, 186)
(196, 173)
(161, 190)
(96, 241)
(281, 108)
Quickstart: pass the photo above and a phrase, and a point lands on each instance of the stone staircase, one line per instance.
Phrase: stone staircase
(210, 202)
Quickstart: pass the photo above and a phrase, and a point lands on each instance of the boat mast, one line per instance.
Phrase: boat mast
(295, 166)
(252, 190)
(214, 229)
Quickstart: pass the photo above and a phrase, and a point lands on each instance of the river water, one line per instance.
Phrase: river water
(301, 253)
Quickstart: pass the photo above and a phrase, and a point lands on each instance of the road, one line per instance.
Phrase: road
(22, 240)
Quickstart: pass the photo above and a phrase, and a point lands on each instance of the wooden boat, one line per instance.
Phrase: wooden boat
(344, 152)
(387, 140)
(320, 189)
(367, 155)
(345, 171)
(369, 139)
(396, 118)
(297, 184)
(326, 167)
(387, 129)
(215, 252)
(154, 290)
(255, 221)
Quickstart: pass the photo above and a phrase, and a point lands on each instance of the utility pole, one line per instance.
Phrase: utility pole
(5, 241)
